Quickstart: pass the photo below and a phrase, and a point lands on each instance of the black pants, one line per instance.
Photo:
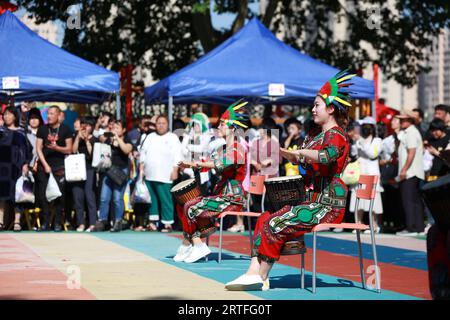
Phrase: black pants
(412, 204)
(84, 192)
(42, 178)
(392, 206)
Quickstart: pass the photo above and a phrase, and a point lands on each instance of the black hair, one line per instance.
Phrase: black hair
(14, 111)
(37, 113)
(269, 124)
(419, 111)
(121, 122)
(108, 114)
(381, 130)
(88, 120)
(442, 107)
(437, 124)
(55, 107)
(290, 121)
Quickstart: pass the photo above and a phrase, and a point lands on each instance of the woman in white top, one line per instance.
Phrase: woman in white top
(195, 142)
(159, 156)
(369, 147)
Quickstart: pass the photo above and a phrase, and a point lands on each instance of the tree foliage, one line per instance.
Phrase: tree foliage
(164, 36)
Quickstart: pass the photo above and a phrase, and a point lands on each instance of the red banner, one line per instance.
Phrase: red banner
(5, 5)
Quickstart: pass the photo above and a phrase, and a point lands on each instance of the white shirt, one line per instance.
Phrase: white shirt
(410, 138)
(368, 154)
(160, 154)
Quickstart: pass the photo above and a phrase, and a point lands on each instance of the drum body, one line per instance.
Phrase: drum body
(437, 197)
(186, 191)
(282, 191)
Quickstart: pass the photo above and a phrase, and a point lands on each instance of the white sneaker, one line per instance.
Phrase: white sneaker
(182, 253)
(247, 283)
(338, 230)
(427, 228)
(197, 252)
(266, 285)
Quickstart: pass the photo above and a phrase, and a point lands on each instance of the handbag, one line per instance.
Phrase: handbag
(117, 175)
(351, 173)
(75, 165)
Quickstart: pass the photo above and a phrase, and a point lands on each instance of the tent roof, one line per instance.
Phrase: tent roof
(244, 66)
(45, 71)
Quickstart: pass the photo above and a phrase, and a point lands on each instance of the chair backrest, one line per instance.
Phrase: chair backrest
(367, 187)
(257, 185)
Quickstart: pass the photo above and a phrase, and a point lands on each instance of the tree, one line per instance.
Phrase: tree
(164, 36)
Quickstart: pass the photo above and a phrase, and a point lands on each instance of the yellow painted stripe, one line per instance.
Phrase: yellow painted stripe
(110, 271)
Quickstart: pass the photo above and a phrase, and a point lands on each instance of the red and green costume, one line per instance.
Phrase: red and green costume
(325, 193)
(231, 164)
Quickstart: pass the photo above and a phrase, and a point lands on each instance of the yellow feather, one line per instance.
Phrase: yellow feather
(240, 105)
(342, 101)
(345, 78)
(240, 124)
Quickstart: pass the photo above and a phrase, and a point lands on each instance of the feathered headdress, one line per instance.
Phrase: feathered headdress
(335, 92)
(200, 118)
(235, 115)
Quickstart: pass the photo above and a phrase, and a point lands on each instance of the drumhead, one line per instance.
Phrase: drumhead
(441, 182)
(182, 184)
(281, 179)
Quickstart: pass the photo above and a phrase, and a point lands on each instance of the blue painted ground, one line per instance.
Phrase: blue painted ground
(284, 280)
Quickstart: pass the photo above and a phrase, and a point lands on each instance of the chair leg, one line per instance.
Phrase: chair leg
(250, 233)
(361, 262)
(207, 243)
(303, 271)
(220, 239)
(374, 248)
(314, 262)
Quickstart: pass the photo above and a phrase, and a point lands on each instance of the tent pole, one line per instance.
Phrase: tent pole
(170, 112)
(118, 105)
(374, 114)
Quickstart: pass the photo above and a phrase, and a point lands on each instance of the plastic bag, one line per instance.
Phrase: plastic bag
(75, 167)
(52, 192)
(101, 156)
(351, 173)
(25, 189)
(141, 193)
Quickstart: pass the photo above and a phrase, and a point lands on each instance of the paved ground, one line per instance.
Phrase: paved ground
(131, 265)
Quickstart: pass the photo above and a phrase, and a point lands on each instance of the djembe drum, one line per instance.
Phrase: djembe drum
(282, 191)
(185, 191)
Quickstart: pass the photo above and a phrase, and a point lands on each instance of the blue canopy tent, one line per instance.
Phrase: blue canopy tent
(33, 69)
(252, 63)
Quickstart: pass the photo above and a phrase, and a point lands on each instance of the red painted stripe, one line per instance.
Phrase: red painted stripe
(25, 275)
(399, 279)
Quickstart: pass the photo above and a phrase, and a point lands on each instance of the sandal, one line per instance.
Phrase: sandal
(17, 227)
(167, 228)
(152, 227)
(139, 229)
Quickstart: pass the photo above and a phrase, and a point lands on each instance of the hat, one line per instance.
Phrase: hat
(235, 115)
(200, 118)
(335, 92)
(367, 120)
(408, 114)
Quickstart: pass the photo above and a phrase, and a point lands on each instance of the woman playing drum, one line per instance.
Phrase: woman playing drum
(230, 161)
(324, 157)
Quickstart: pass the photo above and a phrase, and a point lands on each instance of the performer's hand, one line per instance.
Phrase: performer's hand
(266, 163)
(185, 164)
(291, 156)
